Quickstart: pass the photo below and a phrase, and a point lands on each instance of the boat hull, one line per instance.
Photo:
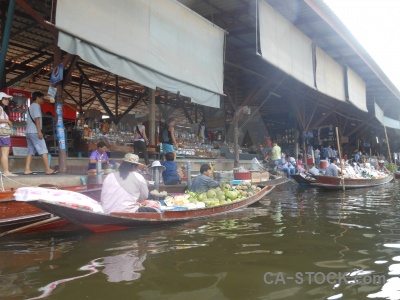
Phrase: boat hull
(303, 182)
(100, 222)
(335, 183)
(14, 214)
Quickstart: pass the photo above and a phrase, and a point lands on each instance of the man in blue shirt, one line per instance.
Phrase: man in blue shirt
(332, 169)
(203, 182)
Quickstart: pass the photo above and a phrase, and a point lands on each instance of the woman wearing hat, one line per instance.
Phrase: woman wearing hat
(5, 141)
(381, 167)
(126, 190)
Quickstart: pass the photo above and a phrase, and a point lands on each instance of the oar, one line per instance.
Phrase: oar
(30, 226)
(340, 156)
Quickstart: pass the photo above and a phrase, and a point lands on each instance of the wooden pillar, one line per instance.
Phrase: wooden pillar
(5, 38)
(236, 139)
(152, 117)
(62, 154)
(116, 95)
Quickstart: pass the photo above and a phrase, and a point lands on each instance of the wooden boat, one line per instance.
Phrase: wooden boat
(100, 222)
(15, 213)
(275, 181)
(303, 181)
(335, 183)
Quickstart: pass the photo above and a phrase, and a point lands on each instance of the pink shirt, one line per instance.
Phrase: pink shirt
(114, 198)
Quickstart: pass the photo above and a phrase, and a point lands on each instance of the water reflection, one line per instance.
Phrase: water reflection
(353, 235)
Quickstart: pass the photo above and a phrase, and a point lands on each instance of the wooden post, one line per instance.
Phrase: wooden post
(387, 141)
(152, 117)
(340, 156)
(236, 139)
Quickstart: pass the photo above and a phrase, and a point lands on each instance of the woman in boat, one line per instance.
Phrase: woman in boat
(126, 190)
(5, 141)
(300, 168)
(381, 167)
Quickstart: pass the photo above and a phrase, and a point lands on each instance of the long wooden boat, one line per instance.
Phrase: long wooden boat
(15, 214)
(335, 183)
(100, 222)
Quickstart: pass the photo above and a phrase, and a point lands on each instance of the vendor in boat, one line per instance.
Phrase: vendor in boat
(332, 169)
(313, 170)
(203, 182)
(171, 175)
(126, 190)
(381, 167)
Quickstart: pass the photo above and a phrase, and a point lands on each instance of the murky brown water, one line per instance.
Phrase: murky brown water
(297, 244)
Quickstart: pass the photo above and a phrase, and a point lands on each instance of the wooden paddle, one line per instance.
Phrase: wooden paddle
(30, 226)
(340, 157)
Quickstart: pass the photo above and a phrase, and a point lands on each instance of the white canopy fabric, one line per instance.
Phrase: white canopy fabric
(385, 121)
(285, 46)
(356, 90)
(157, 43)
(329, 76)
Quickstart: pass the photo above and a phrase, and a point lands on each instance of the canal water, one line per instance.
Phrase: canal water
(297, 243)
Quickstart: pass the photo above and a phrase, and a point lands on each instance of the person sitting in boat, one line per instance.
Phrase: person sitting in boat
(203, 182)
(300, 168)
(381, 167)
(332, 169)
(99, 154)
(126, 190)
(313, 170)
(171, 174)
(288, 165)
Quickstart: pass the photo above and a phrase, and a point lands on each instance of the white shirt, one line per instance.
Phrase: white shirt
(313, 171)
(114, 198)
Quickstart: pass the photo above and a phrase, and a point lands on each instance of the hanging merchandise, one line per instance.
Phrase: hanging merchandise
(60, 127)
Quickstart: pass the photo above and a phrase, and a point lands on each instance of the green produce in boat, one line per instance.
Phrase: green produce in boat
(211, 193)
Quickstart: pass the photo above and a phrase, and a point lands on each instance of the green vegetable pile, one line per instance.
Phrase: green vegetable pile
(223, 194)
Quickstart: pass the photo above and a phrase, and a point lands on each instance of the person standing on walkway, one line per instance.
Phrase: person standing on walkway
(168, 146)
(5, 140)
(276, 153)
(34, 135)
(140, 141)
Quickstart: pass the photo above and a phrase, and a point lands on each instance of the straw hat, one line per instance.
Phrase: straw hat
(381, 161)
(156, 164)
(133, 159)
(4, 95)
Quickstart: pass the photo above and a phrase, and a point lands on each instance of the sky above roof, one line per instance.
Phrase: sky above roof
(375, 24)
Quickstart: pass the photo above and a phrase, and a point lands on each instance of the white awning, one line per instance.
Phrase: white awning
(329, 76)
(356, 90)
(157, 43)
(285, 46)
(385, 121)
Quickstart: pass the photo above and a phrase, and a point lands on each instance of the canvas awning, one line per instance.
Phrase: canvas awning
(157, 43)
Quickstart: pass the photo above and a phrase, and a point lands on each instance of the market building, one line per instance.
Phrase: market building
(232, 73)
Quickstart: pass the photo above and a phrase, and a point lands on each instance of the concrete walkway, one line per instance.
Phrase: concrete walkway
(58, 180)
